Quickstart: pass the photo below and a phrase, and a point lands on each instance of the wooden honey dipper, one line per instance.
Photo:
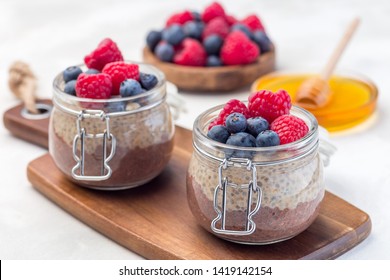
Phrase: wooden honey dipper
(315, 92)
(22, 82)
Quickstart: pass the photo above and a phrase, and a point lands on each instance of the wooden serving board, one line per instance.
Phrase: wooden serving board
(155, 221)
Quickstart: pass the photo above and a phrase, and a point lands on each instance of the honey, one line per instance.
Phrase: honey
(353, 97)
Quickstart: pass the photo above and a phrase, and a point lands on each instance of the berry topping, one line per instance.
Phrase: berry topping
(120, 71)
(219, 133)
(213, 61)
(97, 86)
(256, 125)
(180, 18)
(267, 138)
(71, 73)
(193, 29)
(262, 40)
(270, 123)
(241, 139)
(173, 34)
(253, 22)
(236, 122)
(153, 38)
(92, 71)
(289, 128)
(269, 105)
(212, 11)
(148, 81)
(70, 87)
(212, 44)
(130, 87)
(106, 52)
(238, 49)
(191, 53)
(217, 26)
(164, 51)
(232, 106)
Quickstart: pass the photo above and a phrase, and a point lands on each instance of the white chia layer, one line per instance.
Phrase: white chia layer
(283, 186)
(136, 130)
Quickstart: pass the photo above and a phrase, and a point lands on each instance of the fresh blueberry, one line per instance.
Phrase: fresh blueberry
(213, 44)
(116, 106)
(236, 122)
(164, 52)
(193, 29)
(70, 87)
(173, 34)
(267, 138)
(196, 15)
(256, 125)
(92, 71)
(262, 40)
(153, 38)
(243, 28)
(213, 61)
(241, 139)
(219, 133)
(130, 87)
(148, 81)
(71, 73)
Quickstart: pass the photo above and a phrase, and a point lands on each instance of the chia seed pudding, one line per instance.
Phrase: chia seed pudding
(289, 176)
(142, 126)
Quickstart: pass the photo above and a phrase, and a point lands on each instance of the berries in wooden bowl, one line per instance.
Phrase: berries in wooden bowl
(211, 50)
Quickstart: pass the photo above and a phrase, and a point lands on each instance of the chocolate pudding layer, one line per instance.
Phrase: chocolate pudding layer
(292, 192)
(144, 144)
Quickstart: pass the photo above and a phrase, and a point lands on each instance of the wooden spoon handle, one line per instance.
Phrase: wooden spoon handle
(339, 49)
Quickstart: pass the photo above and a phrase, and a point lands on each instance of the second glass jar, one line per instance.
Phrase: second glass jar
(255, 195)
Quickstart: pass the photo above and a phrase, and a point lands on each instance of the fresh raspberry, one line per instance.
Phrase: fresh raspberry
(180, 18)
(232, 106)
(238, 49)
(191, 53)
(97, 86)
(212, 11)
(120, 71)
(107, 51)
(217, 26)
(289, 128)
(230, 20)
(269, 105)
(253, 22)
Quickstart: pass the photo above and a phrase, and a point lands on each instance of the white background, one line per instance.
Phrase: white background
(51, 35)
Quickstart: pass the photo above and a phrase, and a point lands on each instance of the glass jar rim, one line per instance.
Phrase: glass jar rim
(204, 119)
(160, 84)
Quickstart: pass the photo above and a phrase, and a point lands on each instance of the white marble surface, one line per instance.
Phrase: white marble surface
(51, 35)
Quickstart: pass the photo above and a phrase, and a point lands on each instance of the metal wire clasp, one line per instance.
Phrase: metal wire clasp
(223, 184)
(78, 169)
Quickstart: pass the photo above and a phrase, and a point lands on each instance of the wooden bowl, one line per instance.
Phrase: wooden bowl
(213, 79)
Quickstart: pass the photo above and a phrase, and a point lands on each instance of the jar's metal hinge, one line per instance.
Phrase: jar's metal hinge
(251, 187)
(78, 171)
